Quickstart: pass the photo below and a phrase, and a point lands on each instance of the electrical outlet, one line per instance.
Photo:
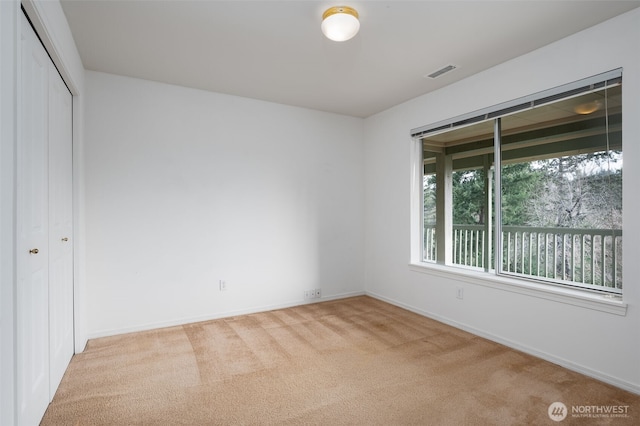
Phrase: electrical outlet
(460, 293)
(223, 285)
(315, 293)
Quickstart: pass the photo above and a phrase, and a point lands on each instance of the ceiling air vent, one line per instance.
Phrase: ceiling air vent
(441, 71)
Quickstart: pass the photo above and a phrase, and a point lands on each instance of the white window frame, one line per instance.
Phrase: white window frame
(610, 303)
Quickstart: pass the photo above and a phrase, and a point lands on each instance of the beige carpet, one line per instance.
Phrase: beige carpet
(356, 361)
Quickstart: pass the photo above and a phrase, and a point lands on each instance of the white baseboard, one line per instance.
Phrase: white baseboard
(615, 381)
(218, 315)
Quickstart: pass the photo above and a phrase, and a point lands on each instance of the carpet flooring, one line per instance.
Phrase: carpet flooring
(356, 361)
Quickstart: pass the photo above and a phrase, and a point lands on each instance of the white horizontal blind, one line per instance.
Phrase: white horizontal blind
(590, 84)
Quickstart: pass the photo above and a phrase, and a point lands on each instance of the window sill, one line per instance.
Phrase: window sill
(584, 299)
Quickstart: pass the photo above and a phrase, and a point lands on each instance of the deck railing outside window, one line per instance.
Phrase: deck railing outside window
(585, 257)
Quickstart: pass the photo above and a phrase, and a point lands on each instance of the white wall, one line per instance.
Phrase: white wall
(601, 344)
(8, 140)
(186, 187)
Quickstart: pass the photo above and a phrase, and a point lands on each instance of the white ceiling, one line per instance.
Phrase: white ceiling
(275, 51)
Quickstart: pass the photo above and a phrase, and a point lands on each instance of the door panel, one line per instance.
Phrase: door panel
(32, 227)
(60, 229)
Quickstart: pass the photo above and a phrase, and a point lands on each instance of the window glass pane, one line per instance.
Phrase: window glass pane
(561, 174)
(470, 217)
(455, 194)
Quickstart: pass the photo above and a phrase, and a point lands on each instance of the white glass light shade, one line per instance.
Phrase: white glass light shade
(340, 23)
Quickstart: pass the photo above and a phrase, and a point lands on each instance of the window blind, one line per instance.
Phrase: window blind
(590, 84)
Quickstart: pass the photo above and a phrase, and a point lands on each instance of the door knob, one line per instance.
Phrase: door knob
(65, 239)
(34, 251)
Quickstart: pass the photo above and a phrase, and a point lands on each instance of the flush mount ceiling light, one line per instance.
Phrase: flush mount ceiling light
(340, 23)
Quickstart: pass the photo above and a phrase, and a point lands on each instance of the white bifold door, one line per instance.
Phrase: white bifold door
(44, 230)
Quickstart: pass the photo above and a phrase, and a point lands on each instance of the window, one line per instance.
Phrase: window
(531, 189)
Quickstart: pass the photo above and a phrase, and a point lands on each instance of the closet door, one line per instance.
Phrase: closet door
(32, 227)
(44, 225)
(60, 229)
